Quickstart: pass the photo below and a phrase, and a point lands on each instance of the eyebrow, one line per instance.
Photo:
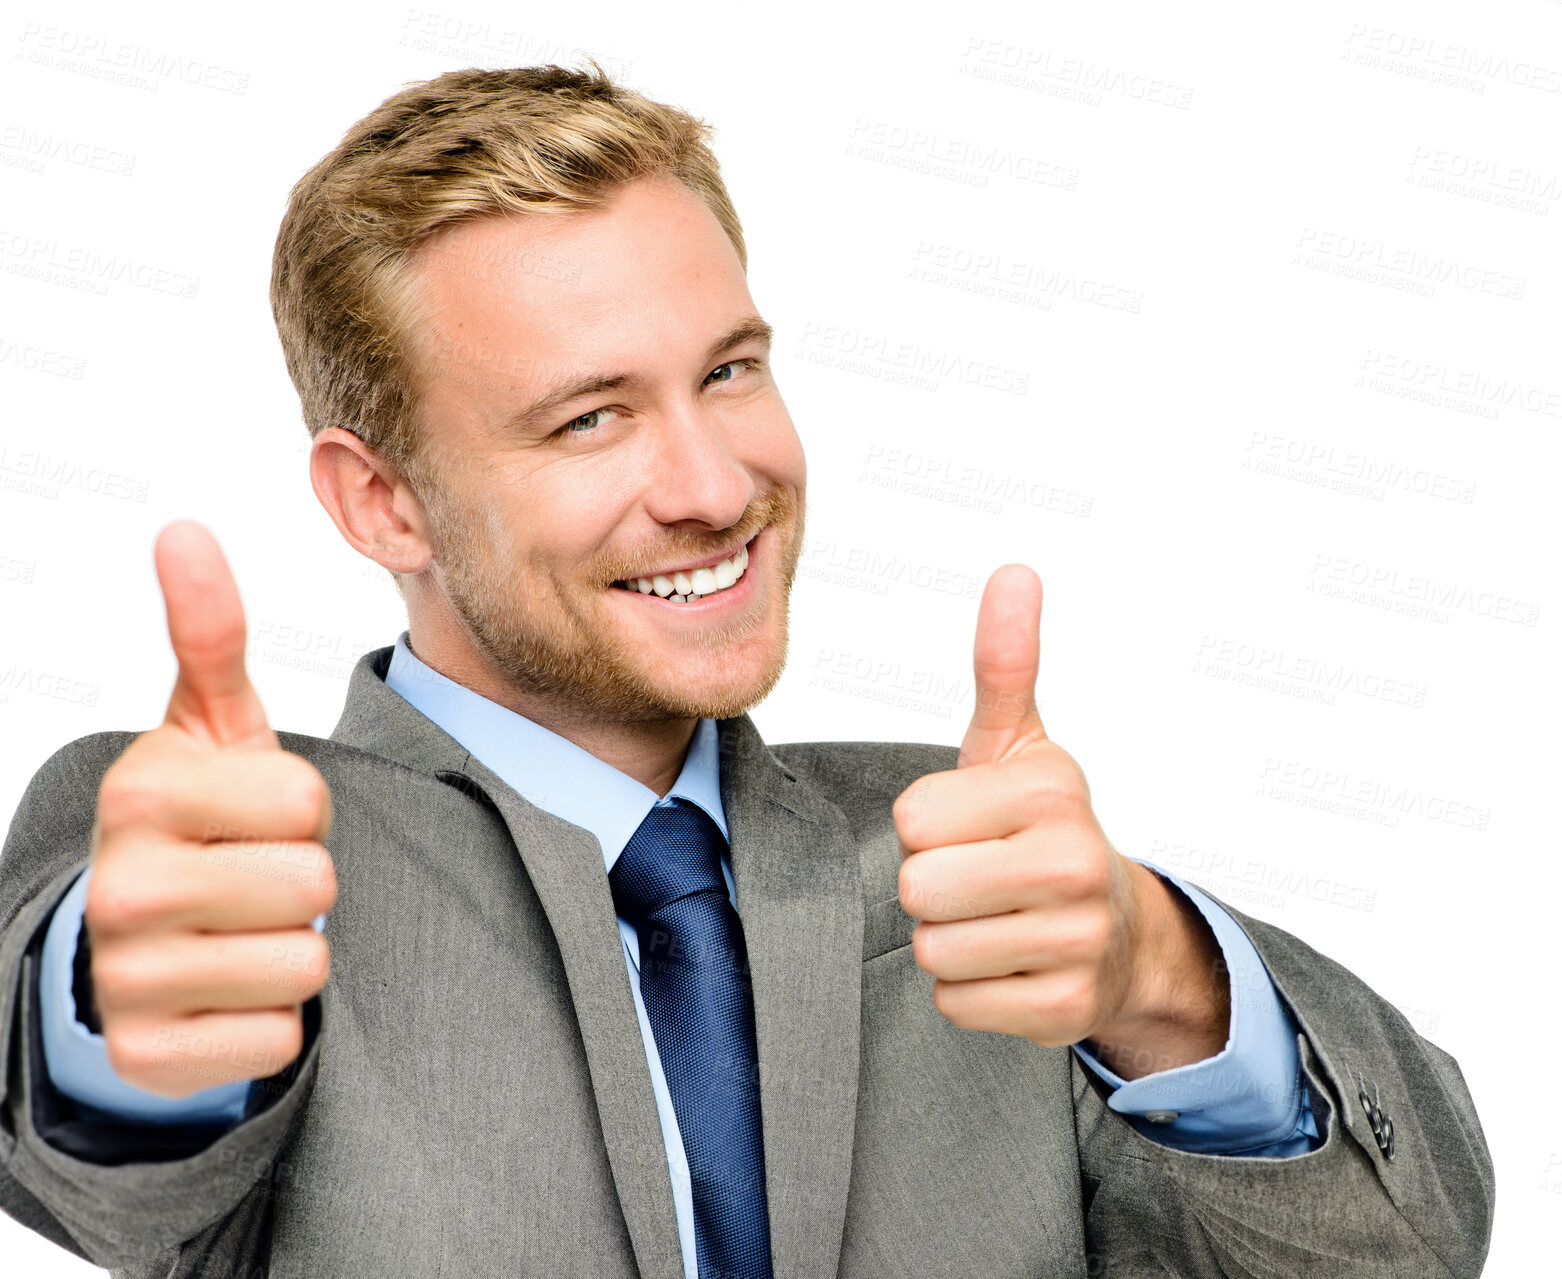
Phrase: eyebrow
(749, 328)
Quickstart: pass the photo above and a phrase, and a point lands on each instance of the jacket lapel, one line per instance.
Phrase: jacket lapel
(799, 892)
(799, 895)
(564, 864)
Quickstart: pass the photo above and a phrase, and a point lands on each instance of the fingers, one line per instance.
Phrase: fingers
(1007, 660)
(966, 804)
(218, 840)
(208, 861)
(992, 877)
(160, 784)
(177, 1056)
(175, 974)
(213, 699)
(145, 884)
(1019, 942)
(1054, 1006)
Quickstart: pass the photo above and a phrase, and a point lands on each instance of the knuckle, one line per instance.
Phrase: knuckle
(104, 909)
(1066, 798)
(130, 1053)
(1083, 937)
(129, 796)
(912, 889)
(1095, 937)
(304, 797)
(119, 903)
(316, 953)
(916, 809)
(1073, 1007)
(311, 874)
(1055, 789)
(298, 966)
(283, 1038)
(1036, 876)
(1082, 875)
(120, 978)
(323, 891)
(947, 1003)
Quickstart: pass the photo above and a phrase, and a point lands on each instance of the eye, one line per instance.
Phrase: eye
(730, 364)
(589, 421)
(584, 422)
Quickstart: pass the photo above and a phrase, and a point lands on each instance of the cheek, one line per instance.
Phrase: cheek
(558, 524)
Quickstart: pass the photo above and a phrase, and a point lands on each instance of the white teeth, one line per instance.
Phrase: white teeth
(682, 588)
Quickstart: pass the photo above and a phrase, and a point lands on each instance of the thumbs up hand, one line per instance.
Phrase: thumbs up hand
(207, 866)
(1030, 922)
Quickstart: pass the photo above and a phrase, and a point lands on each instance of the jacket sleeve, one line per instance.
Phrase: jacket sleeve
(133, 1210)
(1402, 1184)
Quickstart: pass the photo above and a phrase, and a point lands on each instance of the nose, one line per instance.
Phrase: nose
(693, 475)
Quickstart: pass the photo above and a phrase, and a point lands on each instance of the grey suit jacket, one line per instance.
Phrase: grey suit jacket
(476, 1100)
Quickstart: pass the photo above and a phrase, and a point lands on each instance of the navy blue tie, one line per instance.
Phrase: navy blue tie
(694, 980)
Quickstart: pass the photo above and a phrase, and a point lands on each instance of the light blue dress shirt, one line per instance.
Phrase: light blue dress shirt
(1249, 1099)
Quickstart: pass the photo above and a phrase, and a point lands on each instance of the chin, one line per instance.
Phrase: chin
(726, 692)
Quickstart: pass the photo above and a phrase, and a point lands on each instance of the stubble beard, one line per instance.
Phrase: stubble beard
(566, 653)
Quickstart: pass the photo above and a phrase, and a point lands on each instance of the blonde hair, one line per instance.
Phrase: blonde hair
(467, 144)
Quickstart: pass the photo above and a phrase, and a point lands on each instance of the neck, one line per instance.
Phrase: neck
(651, 751)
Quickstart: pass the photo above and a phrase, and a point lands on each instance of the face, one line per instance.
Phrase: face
(598, 408)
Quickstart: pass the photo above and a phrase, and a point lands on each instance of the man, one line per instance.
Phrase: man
(605, 985)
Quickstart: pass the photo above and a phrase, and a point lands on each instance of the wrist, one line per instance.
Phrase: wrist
(1176, 1005)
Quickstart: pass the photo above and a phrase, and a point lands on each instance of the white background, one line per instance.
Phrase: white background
(1279, 318)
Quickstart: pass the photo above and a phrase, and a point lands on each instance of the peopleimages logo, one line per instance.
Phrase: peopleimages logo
(864, 568)
(1435, 382)
(45, 476)
(945, 478)
(1270, 453)
(1269, 884)
(1428, 58)
(1288, 779)
(1299, 674)
(106, 57)
(1031, 284)
(85, 267)
(1041, 70)
(1375, 262)
(962, 159)
(49, 684)
(1384, 586)
(21, 147)
(880, 355)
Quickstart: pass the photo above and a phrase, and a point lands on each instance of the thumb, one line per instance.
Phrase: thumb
(1007, 658)
(212, 698)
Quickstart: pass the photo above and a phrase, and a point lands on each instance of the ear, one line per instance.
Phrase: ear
(370, 502)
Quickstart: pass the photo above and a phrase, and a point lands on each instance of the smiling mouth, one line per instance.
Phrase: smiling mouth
(687, 585)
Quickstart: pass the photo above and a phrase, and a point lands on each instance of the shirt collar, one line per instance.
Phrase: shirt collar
(548, 770)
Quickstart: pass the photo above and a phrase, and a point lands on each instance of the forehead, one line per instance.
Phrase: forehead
(549, 288)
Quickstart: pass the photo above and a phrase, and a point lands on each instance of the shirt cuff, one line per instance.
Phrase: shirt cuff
(77, 1060)
(1248, 1099)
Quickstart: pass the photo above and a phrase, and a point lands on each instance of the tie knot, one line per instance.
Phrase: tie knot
(674, 853)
